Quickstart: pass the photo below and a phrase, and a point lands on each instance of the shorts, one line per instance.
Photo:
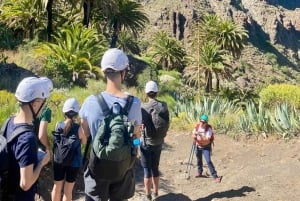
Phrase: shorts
(67, 173)
(150, 156)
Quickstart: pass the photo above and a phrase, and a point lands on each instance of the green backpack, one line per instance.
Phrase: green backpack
(112, 152)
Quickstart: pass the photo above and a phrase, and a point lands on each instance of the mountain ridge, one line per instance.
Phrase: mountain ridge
(273, 50)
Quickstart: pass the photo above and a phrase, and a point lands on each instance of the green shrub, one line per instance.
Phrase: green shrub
(8, 39)
(8, 105)
(281, 93)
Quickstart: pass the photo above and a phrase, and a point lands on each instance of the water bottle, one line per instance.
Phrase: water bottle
(136, 142)
(134, 147)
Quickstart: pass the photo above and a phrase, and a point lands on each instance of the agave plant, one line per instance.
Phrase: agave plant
(216, 107)
(285, 121)
(259, 117)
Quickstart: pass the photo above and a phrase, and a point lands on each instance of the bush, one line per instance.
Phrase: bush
(8, 105)
(281, 93)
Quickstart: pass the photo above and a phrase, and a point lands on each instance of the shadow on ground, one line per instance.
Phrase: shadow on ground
(228, 194)
(173, 197)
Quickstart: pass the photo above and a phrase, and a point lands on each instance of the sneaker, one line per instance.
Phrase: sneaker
(147, 198)
(198, 175)
(218, 179)
(154, 196)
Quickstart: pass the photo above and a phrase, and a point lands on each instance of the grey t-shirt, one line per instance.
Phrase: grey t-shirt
(92, 113)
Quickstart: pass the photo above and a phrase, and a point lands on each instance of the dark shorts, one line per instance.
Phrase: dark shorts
(67, 173)
(150, 157)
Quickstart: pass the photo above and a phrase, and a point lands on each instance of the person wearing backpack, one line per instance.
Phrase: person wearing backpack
(156, 120)
(67, 157)
(24, 167)
(105, 112)
(203, 137)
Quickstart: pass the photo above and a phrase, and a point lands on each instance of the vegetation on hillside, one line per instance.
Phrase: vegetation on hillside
(68, 38)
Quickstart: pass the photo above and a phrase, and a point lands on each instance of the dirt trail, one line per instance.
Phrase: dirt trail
(252, 171)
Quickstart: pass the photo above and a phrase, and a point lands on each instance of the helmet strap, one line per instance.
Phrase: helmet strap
(35, 120)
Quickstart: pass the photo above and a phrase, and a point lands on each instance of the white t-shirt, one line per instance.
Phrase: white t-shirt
(201, 132)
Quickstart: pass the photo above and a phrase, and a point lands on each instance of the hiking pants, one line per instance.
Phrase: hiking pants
(206, 151)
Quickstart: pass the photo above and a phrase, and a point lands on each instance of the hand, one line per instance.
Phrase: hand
(46, 158)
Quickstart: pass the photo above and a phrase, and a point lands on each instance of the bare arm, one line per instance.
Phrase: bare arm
(137, 131)
(84, 128)
(82, 135)
(43, 137)
(28, 175)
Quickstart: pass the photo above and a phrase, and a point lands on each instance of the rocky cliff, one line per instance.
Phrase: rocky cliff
(273, 27)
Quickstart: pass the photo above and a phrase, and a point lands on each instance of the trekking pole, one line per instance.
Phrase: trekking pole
(190, 162)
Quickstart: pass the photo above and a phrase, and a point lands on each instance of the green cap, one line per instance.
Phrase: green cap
(204, 117)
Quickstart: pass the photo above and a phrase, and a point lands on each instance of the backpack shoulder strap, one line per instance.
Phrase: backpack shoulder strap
(19, 130)
(128, 104)
(103, 105)
(4, 127)
(208, 127)
(105, 108)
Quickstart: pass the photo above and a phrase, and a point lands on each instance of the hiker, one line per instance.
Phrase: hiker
(65, 173)
(42, 123)
(24, 165)
(156, 121)
(114, 65)
(202, 136)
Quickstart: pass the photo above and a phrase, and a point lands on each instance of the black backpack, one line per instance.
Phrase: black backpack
(65, 146)
(4, 154)
(156, 119)
(112, 153)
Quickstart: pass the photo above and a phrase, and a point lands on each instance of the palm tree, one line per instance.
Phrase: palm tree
(122, 15)
(168, 52)
(75, 52)
(128, 43)
(227, 34)
(211, 62)
(22, 16)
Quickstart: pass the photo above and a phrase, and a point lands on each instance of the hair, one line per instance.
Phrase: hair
(68, 126)
(152, 94)
(111, 74)
(69, 121)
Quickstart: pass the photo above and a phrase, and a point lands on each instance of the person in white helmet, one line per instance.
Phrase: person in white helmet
(156, 119)
(25, 167)
(65, 174)
(114, 65)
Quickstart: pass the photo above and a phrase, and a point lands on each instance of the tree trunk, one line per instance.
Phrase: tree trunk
(87, 9)
(218, 85)
(206, 82)
(32, 25)
(114, 36)
(208, 85)
(49, 20)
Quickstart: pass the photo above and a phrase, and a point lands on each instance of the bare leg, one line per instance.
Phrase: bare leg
(155, 182)
(56, 191)
(68, 190)
(147, 183)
